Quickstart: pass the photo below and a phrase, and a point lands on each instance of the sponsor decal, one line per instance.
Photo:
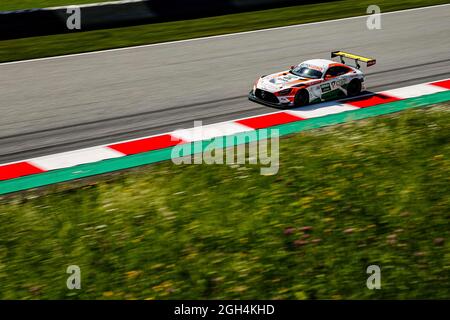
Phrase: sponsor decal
(311, 66)
(284, 79)
(325, 87)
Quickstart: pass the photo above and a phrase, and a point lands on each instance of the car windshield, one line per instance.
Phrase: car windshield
(306, 72)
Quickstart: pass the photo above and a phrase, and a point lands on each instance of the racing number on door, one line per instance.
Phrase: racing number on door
(331, 85)
(337, 83)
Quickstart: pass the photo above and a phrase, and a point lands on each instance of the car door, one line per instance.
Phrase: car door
(334, 82)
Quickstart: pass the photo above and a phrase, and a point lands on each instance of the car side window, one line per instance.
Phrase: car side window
(337, 71)
(342, 70)
(331, 72)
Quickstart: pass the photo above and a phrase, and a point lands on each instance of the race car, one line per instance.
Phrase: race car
(312, 81)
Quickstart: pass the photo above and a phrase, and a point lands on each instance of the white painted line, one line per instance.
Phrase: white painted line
(321, 110)
(74, 158)
(210, 131)
(414, 91)
(219, 36)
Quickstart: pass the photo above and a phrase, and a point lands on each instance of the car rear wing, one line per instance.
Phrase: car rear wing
(369, 61)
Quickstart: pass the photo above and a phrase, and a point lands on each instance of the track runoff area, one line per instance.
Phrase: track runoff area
(66, 166)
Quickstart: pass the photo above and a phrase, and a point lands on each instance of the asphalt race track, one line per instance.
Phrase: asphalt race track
(59, 104)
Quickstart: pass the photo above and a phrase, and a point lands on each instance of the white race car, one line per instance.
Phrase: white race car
(312, 81)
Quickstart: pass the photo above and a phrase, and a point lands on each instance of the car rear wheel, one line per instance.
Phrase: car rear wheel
(354, 88)
(301, 98)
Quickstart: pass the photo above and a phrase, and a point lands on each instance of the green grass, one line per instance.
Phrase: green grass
(36, 47)
(9, 5)
(368, 192)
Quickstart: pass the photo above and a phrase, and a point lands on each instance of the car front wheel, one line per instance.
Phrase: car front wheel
(301, 98)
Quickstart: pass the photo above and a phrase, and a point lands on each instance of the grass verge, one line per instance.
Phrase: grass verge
(348, 196)
(36, 47)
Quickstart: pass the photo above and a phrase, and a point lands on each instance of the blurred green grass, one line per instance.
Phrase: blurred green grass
(36, 47)
(369, 192)
(10, 5)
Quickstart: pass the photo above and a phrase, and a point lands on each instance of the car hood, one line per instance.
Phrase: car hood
(282, 80)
